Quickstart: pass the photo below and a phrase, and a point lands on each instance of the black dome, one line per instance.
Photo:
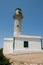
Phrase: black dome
(18, 9)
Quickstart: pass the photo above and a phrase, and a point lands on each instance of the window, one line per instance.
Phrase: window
(26, 44)
(17, 25)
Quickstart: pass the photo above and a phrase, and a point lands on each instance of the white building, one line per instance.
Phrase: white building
(21, 43)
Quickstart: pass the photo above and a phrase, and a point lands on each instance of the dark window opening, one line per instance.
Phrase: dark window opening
(26, 44)
(17, 25)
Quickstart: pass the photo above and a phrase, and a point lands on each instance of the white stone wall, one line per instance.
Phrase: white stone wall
(8, 46)
(33, 43)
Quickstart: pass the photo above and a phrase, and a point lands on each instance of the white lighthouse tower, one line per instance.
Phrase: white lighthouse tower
(17, 21)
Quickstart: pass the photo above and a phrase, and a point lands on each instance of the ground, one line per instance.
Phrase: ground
(30, 58)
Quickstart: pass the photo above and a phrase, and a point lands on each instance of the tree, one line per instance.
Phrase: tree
(3, 59)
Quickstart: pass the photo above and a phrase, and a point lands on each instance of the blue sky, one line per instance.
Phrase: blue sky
(32, 23)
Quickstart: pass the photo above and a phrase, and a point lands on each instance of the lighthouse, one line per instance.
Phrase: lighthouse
(21, 43)
(17, 21)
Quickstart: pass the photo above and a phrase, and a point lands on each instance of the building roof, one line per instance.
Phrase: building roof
(8, 39)
(26, 36)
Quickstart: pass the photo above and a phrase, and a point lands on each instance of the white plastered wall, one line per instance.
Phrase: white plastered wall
(8, 46)
(32, 44)
(35, 45)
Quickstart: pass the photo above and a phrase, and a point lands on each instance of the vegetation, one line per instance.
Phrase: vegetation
(3, 59)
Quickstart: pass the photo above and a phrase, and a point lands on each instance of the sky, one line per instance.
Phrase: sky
(32, 23)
